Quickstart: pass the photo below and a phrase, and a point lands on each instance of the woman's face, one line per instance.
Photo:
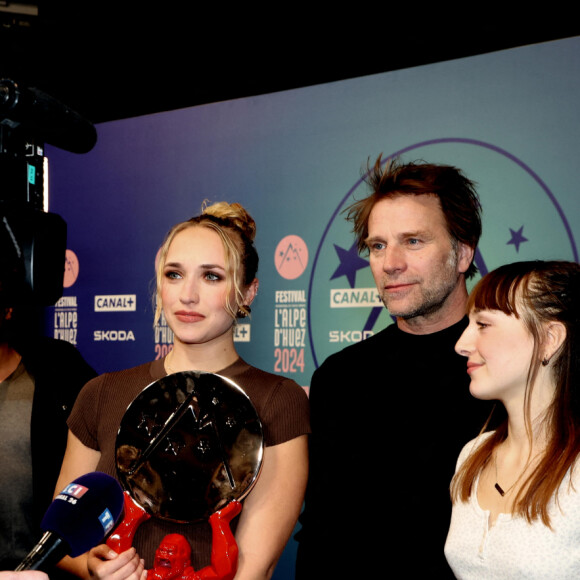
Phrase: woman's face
(499, 350)
(193, 288)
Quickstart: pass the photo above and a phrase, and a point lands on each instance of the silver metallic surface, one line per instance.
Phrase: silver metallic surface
(188, 444)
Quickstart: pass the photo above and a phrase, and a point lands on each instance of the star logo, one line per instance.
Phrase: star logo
(150, 423)
(517, 238)
(350, 262)
(173, 445)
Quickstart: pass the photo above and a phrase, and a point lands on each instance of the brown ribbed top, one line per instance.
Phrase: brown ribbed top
(280, 403)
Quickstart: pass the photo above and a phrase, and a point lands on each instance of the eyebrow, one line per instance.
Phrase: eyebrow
(417, 234)
(373, 239)
(202, 266)
(401, 236)
(486, 310)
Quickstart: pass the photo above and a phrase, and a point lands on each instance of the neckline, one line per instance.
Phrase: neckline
(15, 373)
(158, 370)
(501, 516)
(455, 329)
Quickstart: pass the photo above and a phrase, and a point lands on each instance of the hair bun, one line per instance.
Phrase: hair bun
(235, 213)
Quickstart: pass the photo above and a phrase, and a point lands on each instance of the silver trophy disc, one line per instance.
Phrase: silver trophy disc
(188, 444)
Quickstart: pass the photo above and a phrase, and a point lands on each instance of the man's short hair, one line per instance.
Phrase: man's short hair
(459, 200)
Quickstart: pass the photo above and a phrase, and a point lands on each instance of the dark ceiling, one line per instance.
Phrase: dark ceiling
(108, 65)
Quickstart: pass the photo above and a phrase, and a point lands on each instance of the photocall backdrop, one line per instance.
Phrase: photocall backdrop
(509, 119)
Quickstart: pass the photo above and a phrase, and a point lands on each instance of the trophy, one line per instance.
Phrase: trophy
(189, 449)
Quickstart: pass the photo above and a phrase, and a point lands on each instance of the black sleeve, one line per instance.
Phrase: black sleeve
(59, 372)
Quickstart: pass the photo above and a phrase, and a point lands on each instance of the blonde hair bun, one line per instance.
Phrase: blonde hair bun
(235, 213)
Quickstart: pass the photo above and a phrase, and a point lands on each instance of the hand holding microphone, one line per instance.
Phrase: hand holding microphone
(79, 518)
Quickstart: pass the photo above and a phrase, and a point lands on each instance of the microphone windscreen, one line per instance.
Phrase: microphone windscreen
(85, 511)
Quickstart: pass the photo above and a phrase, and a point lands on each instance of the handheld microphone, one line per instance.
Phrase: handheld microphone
(79, 518)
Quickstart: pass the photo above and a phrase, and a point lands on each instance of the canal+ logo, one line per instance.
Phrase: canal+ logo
(519, 210)
(116, 303)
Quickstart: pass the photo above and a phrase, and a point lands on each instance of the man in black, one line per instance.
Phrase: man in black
(390, 414)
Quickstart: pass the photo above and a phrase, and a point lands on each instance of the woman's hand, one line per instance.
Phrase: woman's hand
(104, 563)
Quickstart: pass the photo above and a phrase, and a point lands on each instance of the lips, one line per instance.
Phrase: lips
(471, 366)
(189, 316)
(398, 287)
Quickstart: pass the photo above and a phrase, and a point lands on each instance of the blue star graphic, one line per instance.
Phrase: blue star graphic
(517, 238)
(350, 262)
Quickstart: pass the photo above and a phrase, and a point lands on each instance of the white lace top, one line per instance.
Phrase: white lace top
(512, 548)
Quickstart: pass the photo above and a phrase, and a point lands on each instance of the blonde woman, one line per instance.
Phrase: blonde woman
(206, 278)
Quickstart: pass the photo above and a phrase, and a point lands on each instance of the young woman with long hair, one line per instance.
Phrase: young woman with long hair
(516, 491)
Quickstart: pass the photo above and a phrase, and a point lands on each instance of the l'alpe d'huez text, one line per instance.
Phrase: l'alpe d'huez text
(65, 325)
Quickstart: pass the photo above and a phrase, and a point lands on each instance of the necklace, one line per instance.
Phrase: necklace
(497, 486)
(168, 367)
(532, 461)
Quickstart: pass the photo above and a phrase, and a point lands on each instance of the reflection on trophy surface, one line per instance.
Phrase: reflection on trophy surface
(188, 444)
(146, 483)
(243, 458)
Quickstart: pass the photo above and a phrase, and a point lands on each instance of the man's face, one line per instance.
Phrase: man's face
(416, 267)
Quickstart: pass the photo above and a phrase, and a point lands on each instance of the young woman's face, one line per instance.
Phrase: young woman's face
(194, 289)
(499, 350)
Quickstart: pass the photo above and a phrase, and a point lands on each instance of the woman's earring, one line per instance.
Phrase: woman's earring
(244, 311)
(545, 362)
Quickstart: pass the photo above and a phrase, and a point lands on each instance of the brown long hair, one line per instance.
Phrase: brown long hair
(538, 292)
